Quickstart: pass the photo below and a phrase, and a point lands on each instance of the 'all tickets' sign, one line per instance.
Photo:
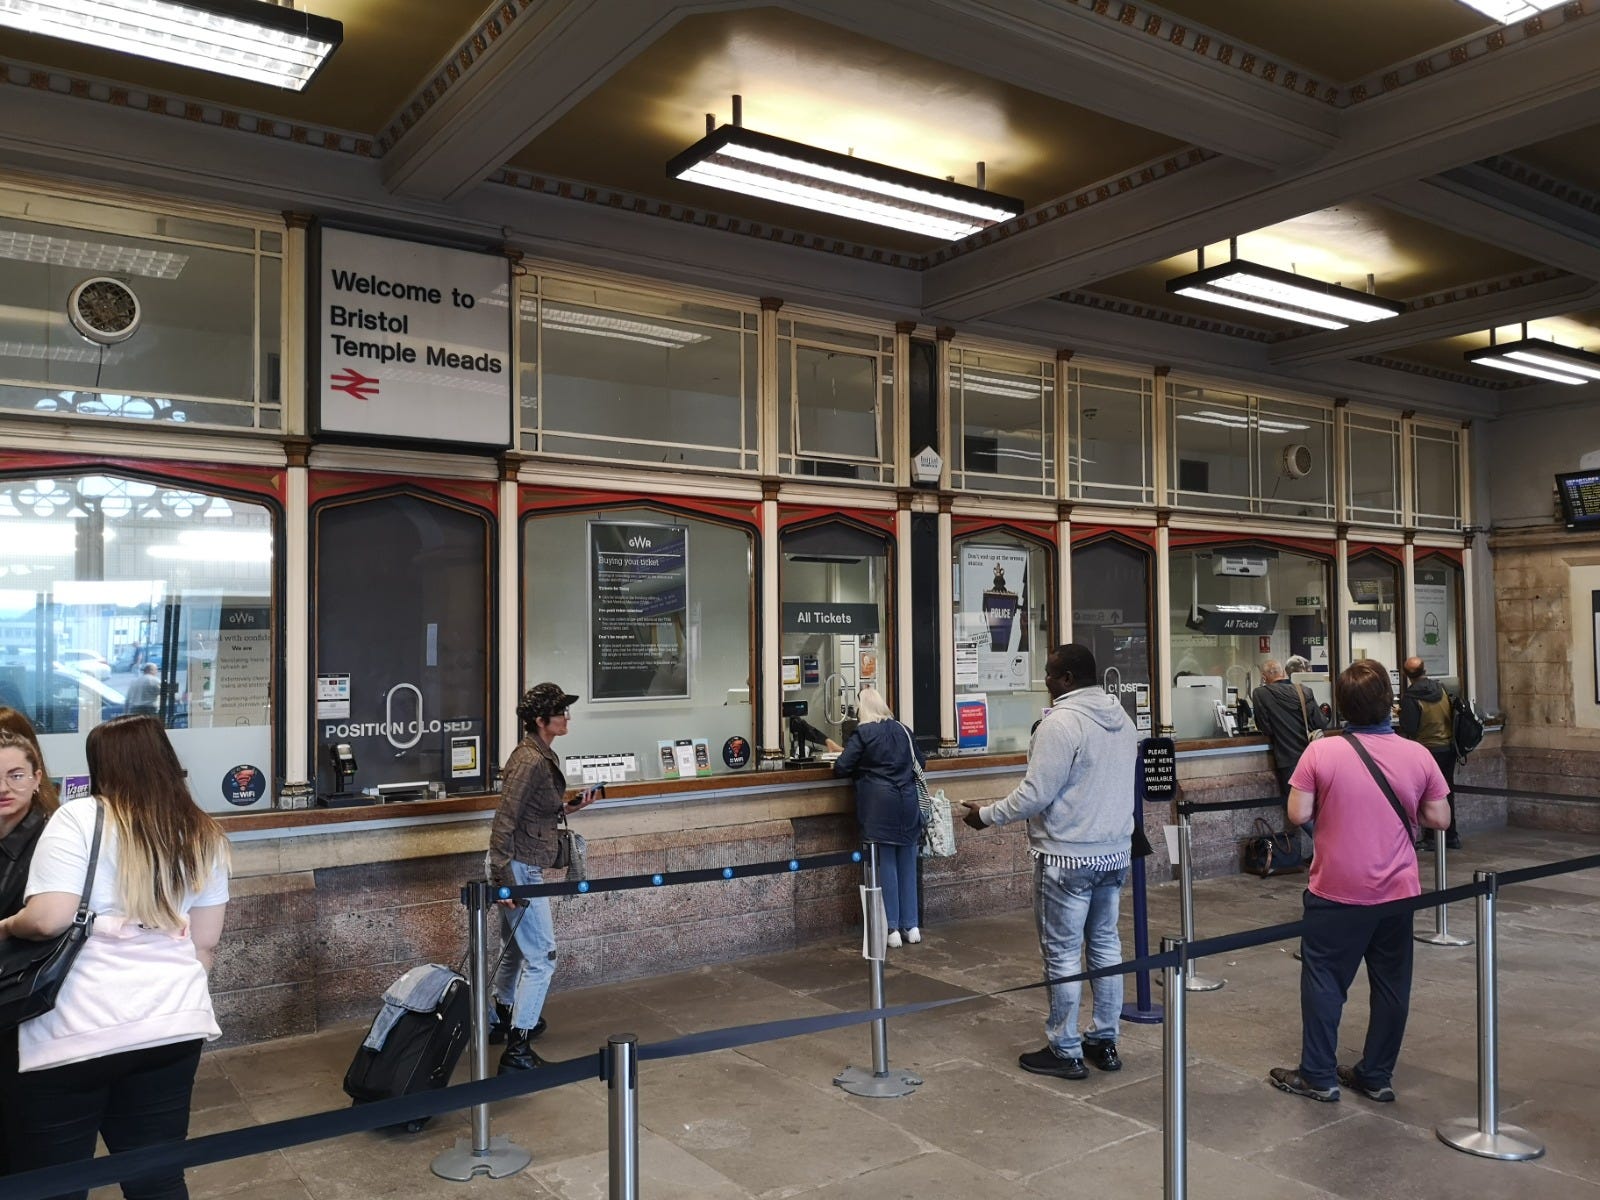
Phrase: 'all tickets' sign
(414, 341)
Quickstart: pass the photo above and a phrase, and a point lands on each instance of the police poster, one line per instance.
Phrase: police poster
(992, 621)
(638, 627)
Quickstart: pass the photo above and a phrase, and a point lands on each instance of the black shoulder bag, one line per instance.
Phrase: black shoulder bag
(1383, 783)
(32, 972)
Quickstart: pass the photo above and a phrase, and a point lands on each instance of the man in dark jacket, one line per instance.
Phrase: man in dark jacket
(1286, 713)
(1427, 715)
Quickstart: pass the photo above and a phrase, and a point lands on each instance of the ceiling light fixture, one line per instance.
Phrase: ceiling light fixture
(773, 168)
(1507, 11)
(90, 256)
(1539, 359)
(668, 337)
(263, 42)
(1250, 286)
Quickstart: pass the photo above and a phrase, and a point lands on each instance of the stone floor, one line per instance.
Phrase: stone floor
(767, 1122)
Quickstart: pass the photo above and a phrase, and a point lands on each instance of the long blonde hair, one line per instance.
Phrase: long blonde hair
(13, 722)
(872, 706)
(166, 847)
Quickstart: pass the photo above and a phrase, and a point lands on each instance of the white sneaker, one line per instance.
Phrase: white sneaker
(894, 939)
(913, 935)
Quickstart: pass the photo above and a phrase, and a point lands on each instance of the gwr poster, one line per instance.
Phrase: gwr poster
(638, 630)
(992, 622)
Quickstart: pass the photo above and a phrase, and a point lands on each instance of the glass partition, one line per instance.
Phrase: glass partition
(1440, 637)
(1233, 607)
(1003, 601)
(1003, 412)
(1372, 469)
(645, 613)
(1111, 585)
(129, 595)
(835, 403)
(1376, 618)
(1436, 475)
(1111, 436)
(401, 646)
(1240, 453)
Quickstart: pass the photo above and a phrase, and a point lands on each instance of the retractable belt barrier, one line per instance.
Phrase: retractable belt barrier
(45, 1182)
(1186, 807)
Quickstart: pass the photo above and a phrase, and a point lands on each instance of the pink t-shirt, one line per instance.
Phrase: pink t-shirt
(1364, 855)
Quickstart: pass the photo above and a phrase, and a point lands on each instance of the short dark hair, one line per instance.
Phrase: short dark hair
(1365, 692)
(1075, 659)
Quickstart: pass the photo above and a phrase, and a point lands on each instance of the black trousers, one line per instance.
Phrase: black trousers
(1446, 759)
(1338, 938)
(137, 1098)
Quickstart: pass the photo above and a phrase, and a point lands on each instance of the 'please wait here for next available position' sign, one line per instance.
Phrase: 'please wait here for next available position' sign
(414, 341)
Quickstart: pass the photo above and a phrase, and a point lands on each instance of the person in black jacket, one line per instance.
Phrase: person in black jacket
(1286, 713)
(1427, 715)
(881, 757)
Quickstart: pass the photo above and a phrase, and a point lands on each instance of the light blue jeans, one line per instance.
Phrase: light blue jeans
(897, 876)
(529, 937)
(1074, 906)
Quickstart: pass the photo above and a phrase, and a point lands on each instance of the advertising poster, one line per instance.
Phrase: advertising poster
(243, 670)
(992, 621)
(1436, 618)
(639, 590)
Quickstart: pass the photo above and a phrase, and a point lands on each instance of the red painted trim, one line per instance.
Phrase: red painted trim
(1187, 538)
(330, 485)
(543, 501)
(871, 518)
(1451, 556)
(1140, 536)
(1033, 531)
(235, 480)
(1391, 552)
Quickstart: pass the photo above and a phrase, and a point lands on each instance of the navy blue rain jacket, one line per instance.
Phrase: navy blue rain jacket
(878, 757)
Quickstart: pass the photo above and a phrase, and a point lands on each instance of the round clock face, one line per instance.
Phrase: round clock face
(103, 310)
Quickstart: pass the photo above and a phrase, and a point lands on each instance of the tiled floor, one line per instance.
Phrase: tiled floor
(766, 1121)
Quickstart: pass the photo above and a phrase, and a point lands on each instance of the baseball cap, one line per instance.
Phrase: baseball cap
(543, 700)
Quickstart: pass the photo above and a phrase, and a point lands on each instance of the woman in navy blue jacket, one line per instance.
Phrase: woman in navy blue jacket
(880, 757)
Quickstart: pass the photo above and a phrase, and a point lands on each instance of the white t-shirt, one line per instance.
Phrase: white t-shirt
(130, 987)
(61, 861)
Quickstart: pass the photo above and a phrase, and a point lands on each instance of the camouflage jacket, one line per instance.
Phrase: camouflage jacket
(532, 792)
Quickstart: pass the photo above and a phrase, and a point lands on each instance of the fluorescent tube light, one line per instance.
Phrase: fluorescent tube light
(994, 385)
(1271, 310)
(668, 337)
(216, 546)
(1293, 296)
(1507, 11)
(772, 168)
(1539, 359)
(90, 256)
(248, 39)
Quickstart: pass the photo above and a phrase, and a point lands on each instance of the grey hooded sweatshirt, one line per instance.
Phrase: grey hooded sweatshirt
(1077, 796)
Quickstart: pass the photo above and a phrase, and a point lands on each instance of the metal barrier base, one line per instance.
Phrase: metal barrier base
(502, 1158)
(860, 1081)
(1441, 939)
(1134, 1015)
(1199, 983)
(1509, 1144)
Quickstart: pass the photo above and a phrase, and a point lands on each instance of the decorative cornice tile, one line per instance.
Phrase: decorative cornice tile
(1439, 373)
(1531, 176)
(1485, 287)
(1167, 316)
(200, 112)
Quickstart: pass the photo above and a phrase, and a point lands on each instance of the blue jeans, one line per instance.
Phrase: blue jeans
(529, 937)
(897, 876)
(1075, 905)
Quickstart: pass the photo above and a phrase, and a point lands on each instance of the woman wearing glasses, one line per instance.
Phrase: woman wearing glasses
(116, 1056)
(533, 795)
(27, 798)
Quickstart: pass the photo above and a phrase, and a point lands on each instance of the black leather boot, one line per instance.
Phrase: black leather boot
(502, 1022)
(518, 1055)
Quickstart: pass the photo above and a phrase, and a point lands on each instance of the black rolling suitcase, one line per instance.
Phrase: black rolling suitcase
(421, 1048)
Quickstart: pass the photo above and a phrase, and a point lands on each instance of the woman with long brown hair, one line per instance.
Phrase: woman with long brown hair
(116, 1056)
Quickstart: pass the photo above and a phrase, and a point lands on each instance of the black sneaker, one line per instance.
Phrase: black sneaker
(1048, 1062)
(1453, 841)
(1382, 1095)
(1287, 1079)
(1102, 1055)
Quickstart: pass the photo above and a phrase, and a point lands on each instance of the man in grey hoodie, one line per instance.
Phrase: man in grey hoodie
(1077, 798)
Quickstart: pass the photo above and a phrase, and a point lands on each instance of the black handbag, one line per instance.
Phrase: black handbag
(32, 972)
(1270, 853)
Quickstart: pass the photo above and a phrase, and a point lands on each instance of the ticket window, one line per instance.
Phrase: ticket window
(1111, 615)
(1440, 638)
(1375, 615)
(1002, 599)
(834, 587)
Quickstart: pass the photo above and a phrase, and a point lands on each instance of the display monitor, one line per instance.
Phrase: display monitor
(1580, 499)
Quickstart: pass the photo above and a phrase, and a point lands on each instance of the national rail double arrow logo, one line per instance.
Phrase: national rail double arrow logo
(353, 382)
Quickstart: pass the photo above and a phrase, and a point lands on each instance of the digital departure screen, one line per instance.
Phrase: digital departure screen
(1580, 499)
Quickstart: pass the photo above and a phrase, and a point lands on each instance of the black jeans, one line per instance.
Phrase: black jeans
(137, 1098)
(1337, 939)
(1446, 759)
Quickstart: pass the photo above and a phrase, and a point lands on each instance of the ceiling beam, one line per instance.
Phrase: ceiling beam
(1550, 84)
(1547, 298)
(556, 53)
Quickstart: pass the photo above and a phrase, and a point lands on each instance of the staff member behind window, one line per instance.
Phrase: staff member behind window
(533, 795)
(881, 756)
(27, 798)
(116, 1057)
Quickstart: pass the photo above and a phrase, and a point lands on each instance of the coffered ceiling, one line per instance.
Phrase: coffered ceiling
(1450, 159)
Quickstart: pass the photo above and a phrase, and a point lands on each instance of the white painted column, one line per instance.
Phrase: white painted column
(1063, 453)
(1341, 602)
(1163, 607)
(292, 322)
(1063, 577)
(947, 631)
(771, 636)
(509, 608)
(1469, 610)
(297, 732)
(1409, 582)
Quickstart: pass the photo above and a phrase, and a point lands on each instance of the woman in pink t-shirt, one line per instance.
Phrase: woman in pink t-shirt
(1365, 858)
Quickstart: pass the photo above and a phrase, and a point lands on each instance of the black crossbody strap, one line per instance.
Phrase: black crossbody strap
(94, 861)
(1383, 782)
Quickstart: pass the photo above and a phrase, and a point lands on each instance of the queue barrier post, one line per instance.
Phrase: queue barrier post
(482, 1154)
(1143, 1010)
(621, 1055)
(1174, 1077)
(880, 1081)
(1485, 1136)
(1441, 935)
(1192, 980)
